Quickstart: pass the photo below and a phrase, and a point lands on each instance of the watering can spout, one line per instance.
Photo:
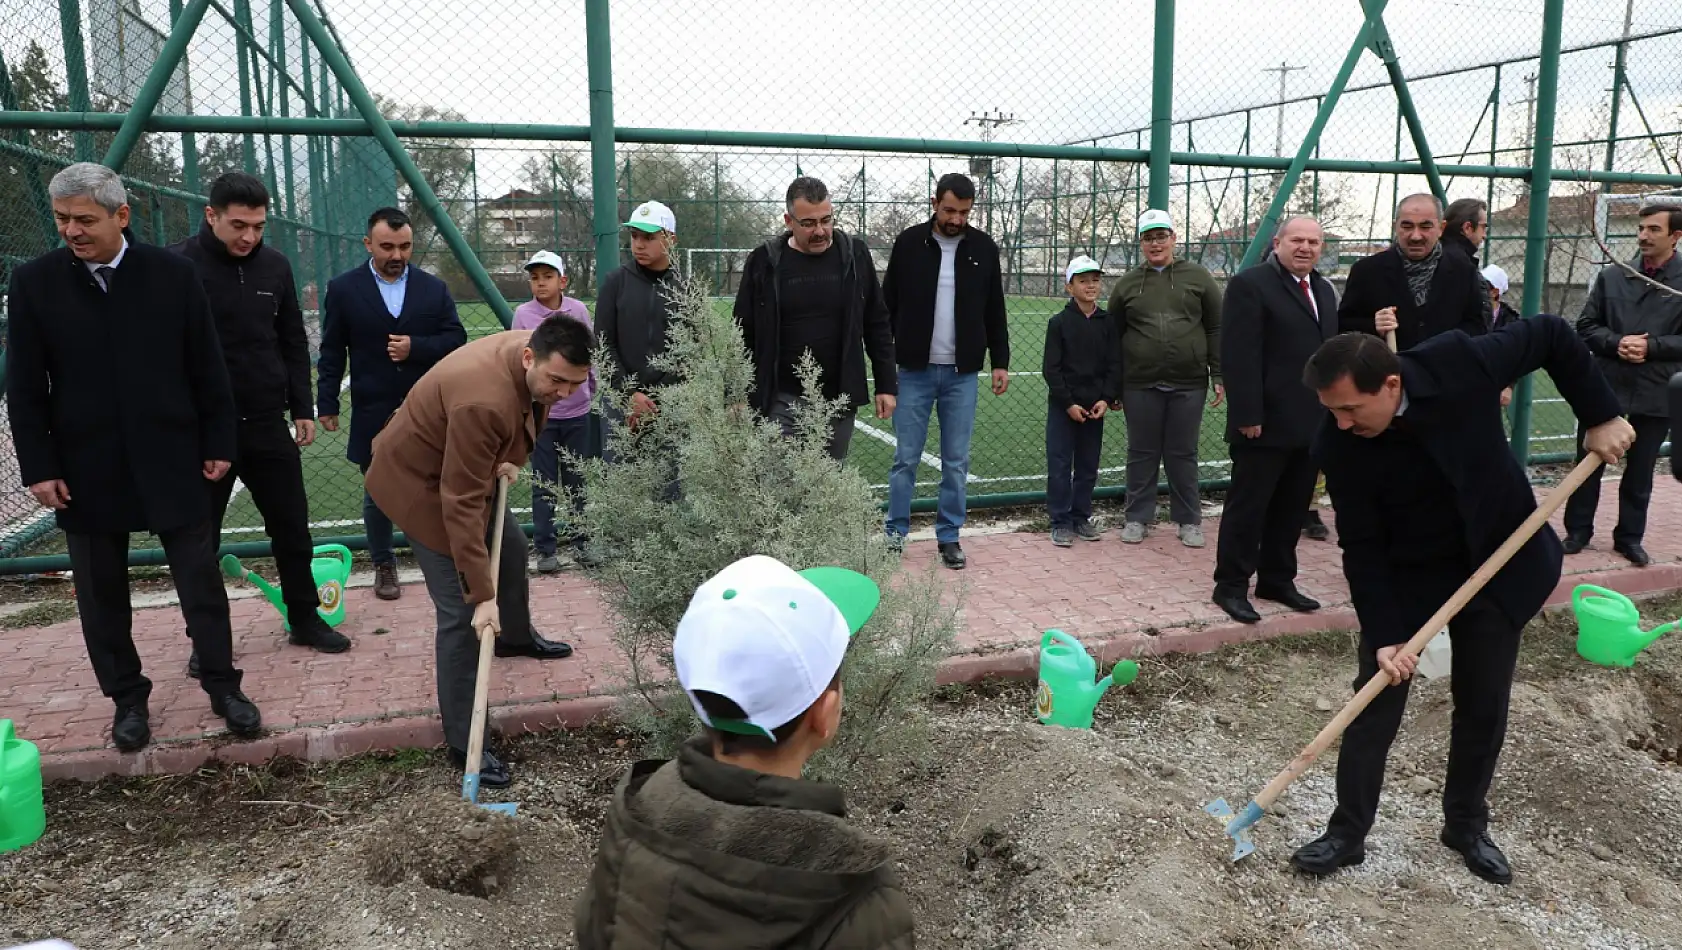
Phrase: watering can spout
(1646, 639)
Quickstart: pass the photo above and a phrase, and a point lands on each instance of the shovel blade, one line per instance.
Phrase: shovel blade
(503, 808)
(1237, 825)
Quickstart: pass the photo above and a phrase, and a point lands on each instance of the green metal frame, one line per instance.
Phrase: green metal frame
(157, 80)
(1264, 231)
(1162, 105)
(1541, 181)
(1386, 51)
(351, 84)
(604, 184)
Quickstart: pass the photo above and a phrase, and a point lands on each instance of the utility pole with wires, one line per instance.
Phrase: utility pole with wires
(981, 166)
(1284, 70)
(1529, 101)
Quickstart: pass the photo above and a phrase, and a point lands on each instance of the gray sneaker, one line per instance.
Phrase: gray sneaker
(1087, 531)
(1062, 537)
(1191, 535)
(1133, 532)
(548, 564)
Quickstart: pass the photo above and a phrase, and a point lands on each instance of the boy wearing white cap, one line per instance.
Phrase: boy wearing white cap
(1082, 368)
(726, 845)
(568, 424)
(633, 306)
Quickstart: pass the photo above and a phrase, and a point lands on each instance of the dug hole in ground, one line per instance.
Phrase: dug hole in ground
(1011, 835)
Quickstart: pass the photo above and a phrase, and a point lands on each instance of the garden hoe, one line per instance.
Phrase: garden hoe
(1239, 825)
(482, 686)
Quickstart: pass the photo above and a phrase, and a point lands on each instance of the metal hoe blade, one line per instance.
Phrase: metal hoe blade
(1238, 826)
(470, 791)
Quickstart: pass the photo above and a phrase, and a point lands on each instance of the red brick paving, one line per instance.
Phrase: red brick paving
(1119, 599)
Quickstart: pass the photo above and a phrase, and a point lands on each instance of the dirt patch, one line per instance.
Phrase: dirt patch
(443, 841)
(1009, 836)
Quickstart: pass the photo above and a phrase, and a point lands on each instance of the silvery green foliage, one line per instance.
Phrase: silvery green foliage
(744, 489)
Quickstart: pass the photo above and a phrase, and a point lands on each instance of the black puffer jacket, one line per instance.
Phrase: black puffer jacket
(259, 322)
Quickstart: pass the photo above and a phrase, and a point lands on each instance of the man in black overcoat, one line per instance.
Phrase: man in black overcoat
(1416, 286)
(121, 410)
(1425, 490)
(1273, 317)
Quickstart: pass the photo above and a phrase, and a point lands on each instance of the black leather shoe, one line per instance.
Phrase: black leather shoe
(1315, 529)
(952, 555)
(241, 713)
(1574, 543)
(131, 728)
(315, 634)
(1483, 858)
(1236, 605)
(1325, 854)
(193, 666)
(493, 772)
(538, 649)
(1289, 596)
(1636, 553)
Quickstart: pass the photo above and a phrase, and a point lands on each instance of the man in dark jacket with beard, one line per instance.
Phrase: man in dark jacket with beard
(255, 303)
(1632, 323)
(727, 846)
(812, 289)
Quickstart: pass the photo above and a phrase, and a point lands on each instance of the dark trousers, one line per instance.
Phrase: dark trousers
(575, 436)
(1486, 647)
(1162, 430)
(1635, 489)
(377, 527)
(783, 410)
(457, 645)
(272, 470)
(100, 563)
(1071, 464)
(1262, 518)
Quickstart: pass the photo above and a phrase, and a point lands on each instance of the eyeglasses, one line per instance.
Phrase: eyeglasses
(1156, 237)
(826, 221)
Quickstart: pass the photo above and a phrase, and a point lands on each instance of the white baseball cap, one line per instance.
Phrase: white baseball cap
(1081, 265)
(769, 638)
(1153, 219)
(546, 257)
(1497, 278)
(653, 217)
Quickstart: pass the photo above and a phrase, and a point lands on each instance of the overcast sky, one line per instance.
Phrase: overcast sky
(1067, 69)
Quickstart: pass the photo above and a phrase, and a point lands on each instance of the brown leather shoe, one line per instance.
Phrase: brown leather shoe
(385, 582)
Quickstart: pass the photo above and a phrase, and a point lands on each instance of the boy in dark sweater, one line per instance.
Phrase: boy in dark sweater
(727, 846)
(1082, 373)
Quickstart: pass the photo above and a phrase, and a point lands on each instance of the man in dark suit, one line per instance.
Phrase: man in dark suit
(121, 410)
(1425, 490)
(1413, 286)
(1274, 316)
(397, 322)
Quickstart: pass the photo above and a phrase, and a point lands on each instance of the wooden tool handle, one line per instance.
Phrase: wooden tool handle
(1390, 338)
(1432, 627)
(487, 642)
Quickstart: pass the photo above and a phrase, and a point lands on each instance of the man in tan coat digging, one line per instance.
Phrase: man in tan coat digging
(435, 464)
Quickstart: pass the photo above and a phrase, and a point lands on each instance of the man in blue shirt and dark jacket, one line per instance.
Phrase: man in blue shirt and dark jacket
(1425, 491)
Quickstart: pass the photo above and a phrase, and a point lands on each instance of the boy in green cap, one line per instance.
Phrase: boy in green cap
(727, 845)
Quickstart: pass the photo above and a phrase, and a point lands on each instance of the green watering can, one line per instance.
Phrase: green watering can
(1067, 695)
(1609, 627)
(331, 567)
(23, 817)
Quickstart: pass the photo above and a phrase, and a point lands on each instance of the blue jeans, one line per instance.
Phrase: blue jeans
(953, 395)
(378, 529)
(574, 436)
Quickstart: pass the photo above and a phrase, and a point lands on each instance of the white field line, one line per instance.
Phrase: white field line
(888, 437)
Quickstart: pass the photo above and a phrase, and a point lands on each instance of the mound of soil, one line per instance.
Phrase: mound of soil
(444, 841)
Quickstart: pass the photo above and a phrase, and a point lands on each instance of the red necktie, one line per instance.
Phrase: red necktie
(1303, 283)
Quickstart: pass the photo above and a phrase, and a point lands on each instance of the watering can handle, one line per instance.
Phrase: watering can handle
(1583, 591)
(336, 550)
(1059, 636)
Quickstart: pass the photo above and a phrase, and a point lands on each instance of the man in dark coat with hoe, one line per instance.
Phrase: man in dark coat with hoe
(121, 411)
(1425, 491)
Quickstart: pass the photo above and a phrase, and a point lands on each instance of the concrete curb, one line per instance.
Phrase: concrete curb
(422, 730)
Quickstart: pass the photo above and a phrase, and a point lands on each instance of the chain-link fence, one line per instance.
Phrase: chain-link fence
(1048, 105)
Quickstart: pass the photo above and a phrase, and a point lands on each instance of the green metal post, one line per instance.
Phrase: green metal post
(718, 221)
(189, 141)
(1494, 140)
(1374, 8)
(319, 242)
(364, 102)
(76, 70)
(290, 190)
(242, 16)
(604, 188)
(1162, 103)
(1541, 180)
(1386, 51)
(157, 80)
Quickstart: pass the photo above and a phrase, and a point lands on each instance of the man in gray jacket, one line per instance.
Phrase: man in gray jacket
(1632, 323)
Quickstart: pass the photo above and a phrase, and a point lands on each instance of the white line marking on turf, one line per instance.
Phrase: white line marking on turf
(888, 437)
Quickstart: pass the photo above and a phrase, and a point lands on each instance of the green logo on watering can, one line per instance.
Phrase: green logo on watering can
(1043, 700)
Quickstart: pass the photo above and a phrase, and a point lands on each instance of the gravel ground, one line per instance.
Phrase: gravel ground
(1011, 835)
